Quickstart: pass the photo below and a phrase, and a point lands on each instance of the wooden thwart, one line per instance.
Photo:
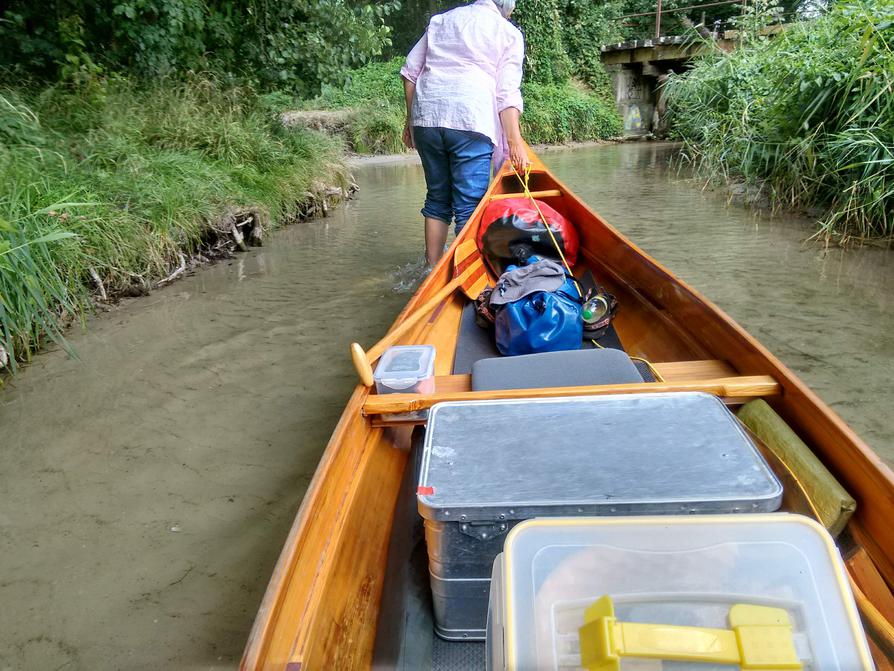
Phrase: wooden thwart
(549, 193)
(740, 386)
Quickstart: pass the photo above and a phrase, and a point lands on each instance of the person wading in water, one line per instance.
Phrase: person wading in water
(462, 84)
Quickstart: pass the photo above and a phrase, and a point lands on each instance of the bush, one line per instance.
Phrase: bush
(564, 113)
(376, 84)
(298, 45)
(545, 59)
(586, 26)
(126, 184)
(377, 131)
(809, 113)
(376, 95)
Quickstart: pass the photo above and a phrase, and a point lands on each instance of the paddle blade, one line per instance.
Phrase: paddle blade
(477, 283)
(465, 255)
(468, 265)
(362, 365)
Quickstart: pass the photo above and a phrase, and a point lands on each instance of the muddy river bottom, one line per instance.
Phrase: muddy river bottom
(147, 486)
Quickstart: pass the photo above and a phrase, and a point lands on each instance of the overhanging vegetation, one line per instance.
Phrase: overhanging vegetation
(809, 114)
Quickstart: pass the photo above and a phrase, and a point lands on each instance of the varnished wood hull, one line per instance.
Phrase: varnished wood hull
(320, 610)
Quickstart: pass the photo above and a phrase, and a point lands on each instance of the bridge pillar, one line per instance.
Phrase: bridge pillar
(635, 96)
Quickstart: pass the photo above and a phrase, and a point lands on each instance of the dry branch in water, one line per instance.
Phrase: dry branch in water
(100, 287)
(179, 271)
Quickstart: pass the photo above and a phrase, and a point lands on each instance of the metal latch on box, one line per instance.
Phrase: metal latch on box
(760, 637)
(483, 530)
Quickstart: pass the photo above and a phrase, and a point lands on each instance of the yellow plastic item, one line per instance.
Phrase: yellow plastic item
(760, 638)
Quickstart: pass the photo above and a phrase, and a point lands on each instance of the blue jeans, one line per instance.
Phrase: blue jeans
(457, 171)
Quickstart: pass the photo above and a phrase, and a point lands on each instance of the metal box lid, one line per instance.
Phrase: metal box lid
(601, 455)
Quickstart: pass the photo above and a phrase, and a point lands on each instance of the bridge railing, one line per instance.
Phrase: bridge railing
(658, 11)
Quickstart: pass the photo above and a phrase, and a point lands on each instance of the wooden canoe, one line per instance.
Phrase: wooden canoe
(322, 605)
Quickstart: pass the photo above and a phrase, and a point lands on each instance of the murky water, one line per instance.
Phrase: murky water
(146, 488)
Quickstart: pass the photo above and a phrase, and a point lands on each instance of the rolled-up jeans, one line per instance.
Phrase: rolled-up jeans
(457, 171)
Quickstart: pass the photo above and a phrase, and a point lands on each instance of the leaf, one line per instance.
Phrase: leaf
(53, 236)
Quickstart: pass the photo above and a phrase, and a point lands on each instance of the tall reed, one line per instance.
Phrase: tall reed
(810, 114)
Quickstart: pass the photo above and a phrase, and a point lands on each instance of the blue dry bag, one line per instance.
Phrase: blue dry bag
(546, 316)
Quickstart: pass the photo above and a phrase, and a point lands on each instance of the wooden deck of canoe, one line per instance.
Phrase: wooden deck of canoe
(321, 607)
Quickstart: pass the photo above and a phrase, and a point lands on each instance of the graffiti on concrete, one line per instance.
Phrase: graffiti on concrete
(634, 119)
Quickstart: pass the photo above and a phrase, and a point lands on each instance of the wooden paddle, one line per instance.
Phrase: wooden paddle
(469, 274)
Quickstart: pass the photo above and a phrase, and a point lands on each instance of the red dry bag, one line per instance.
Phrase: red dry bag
(511, 230)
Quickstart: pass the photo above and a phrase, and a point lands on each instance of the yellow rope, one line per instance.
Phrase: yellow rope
(658, 377)
(527, 191)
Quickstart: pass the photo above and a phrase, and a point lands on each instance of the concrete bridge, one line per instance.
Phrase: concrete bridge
(638, 68)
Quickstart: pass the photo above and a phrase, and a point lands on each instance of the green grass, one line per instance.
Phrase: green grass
(117, 180)
(809, 114)
(567, 113)
(375, 95)
(553, 113)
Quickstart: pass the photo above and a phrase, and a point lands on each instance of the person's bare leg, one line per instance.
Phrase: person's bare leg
(435, 239)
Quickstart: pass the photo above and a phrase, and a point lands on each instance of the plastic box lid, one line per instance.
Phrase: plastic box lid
(677, 570)
(403, 366)
(602, 455)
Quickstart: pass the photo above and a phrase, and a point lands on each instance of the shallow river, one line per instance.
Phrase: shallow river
(147, 486)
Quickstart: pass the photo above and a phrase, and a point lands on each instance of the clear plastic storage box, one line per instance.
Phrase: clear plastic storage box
(707, 572)
(406, 369)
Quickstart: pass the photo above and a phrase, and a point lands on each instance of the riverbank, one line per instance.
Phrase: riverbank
(110, 190)
(148, 484)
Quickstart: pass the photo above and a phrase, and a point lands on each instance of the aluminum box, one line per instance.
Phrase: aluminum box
(488, 465)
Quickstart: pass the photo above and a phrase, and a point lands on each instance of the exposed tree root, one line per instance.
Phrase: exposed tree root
(235, 230)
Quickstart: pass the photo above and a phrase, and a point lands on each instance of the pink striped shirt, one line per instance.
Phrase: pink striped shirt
(467, 69)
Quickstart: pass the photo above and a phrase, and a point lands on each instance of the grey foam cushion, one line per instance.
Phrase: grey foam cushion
(575, 368)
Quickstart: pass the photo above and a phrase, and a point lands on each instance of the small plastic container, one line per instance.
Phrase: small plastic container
(675, 571)
(406, 369)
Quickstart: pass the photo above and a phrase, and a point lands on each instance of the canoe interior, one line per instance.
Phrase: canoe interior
(406, 639)
(346, 590)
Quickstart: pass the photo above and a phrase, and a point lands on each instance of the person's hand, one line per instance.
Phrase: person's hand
(408, 136)
(518, 154)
